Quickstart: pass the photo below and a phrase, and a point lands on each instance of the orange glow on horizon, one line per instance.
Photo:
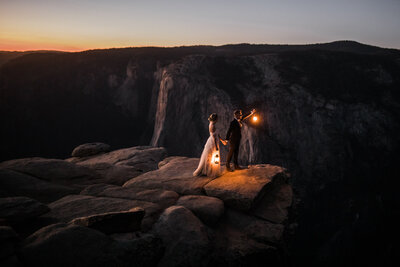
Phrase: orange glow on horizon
(18, 46)
(22, 45)
(34, 47)
(25, 41)
(16, 43)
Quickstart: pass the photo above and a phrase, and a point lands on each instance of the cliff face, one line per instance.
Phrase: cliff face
(332, 118)
(320, 131)
(328, 113)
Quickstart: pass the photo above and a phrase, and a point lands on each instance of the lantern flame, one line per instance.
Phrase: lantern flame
(255, 118)
(215, 158)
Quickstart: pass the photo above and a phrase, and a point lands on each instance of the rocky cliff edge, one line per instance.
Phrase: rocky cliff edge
(138, 206)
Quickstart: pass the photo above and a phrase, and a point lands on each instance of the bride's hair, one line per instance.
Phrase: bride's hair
(213, 117)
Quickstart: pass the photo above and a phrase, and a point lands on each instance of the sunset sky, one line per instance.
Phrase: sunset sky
(74, 25)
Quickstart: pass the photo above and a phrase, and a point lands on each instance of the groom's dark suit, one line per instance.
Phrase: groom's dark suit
(233, 135)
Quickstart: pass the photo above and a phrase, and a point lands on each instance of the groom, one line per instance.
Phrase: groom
(234, 135)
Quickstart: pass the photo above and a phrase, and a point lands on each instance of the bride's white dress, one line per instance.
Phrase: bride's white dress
(207, 166)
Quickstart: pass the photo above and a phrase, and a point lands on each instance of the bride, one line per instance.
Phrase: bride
(210, 158)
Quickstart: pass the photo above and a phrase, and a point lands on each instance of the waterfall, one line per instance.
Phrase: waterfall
(165, 85)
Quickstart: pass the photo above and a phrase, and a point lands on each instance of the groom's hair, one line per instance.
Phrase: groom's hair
(237, 112)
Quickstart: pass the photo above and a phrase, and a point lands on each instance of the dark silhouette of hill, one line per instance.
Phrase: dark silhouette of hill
(8, 55)
(229, 49)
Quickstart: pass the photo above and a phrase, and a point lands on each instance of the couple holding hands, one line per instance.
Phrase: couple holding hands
(210, 157)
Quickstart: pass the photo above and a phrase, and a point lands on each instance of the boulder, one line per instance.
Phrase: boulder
(118, 166)
(55, 170)
(8, 242)
(146, 158)
(115, 167)
(143, 158)
(90, 149)
(74, 245)
(164, 198)
(17, 209)
(175, 175)
(254, 228)
(167, 160)
(232, 247)
(76, 206)
(274, 205)
(97, 190)
(114, 174)
(68, 245)
(184, 236)
(113, 222)
(14, 183)
(143, 250)
(127, 235)
(243, 188)
(208, 209)
(24, 215)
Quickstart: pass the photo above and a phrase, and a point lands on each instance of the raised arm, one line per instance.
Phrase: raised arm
(251, 113)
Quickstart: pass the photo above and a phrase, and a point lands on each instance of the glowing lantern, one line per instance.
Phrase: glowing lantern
(215, 158)
(255, 118)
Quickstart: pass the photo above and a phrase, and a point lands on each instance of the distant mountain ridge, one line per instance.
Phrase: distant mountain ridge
(342, 45)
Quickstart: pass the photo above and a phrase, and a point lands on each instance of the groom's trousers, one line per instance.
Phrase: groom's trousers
(233, 151)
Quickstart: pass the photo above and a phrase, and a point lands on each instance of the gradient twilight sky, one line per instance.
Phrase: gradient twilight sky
(74, 25)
